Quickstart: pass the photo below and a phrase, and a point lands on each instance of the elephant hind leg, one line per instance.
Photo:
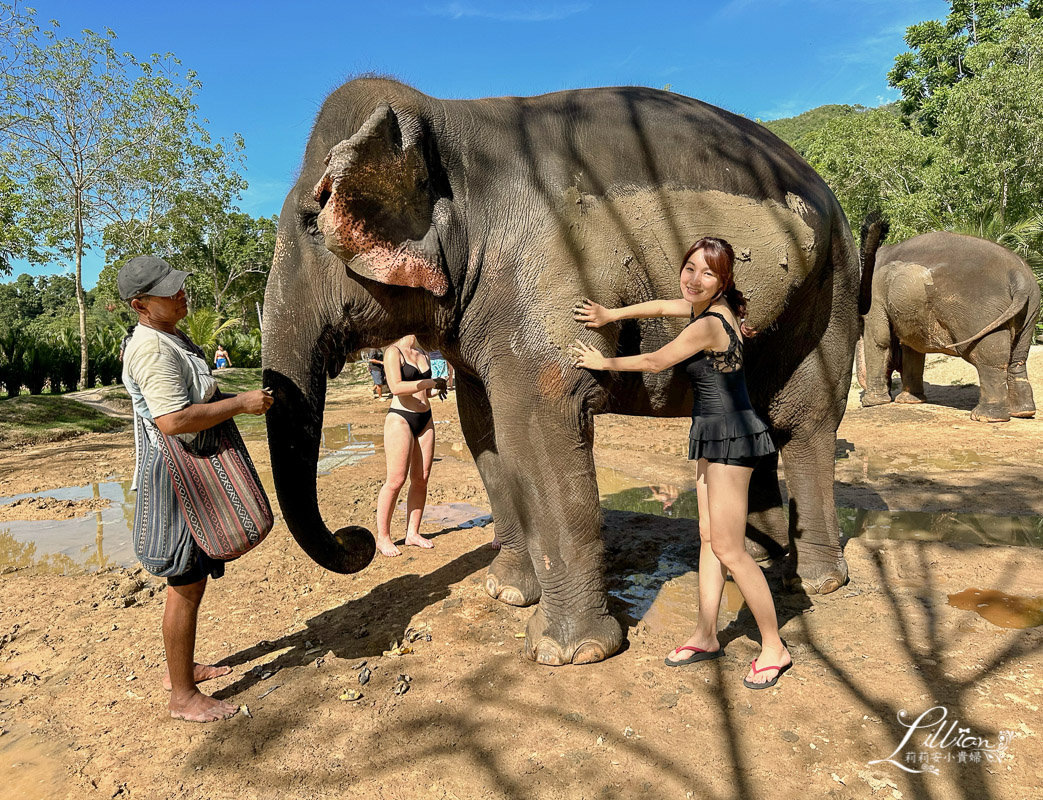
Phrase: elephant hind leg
(1019, 391)
(989, 356)
(912, 377)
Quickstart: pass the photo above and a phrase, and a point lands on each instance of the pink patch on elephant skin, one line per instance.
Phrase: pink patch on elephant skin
(347, 237)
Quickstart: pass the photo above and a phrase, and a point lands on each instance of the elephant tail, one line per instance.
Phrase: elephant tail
(1021, 292)
(874, 231)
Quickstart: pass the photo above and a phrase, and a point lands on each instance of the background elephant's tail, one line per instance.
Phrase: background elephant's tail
(874, 231)
(1023, 289)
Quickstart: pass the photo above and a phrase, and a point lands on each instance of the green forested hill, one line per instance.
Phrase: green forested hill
(790, 129)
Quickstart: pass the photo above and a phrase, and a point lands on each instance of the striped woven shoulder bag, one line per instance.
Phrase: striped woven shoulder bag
(217, 487)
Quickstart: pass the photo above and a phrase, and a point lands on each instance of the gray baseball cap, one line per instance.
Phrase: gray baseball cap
(149, 275)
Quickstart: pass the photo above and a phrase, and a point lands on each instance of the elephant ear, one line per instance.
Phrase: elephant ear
(379, 211)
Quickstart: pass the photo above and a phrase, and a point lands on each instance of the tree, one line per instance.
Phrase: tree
(102, 139)
(875, 163)
(937, 60)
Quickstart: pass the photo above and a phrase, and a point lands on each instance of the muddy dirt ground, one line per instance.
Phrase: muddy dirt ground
(83, 714)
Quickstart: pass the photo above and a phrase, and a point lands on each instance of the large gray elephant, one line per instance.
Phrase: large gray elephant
(478, 224)
(949, 293)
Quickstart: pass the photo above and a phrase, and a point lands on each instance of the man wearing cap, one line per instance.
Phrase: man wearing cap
(172, 390)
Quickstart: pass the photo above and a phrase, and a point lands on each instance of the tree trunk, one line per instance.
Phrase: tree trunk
(81, 301)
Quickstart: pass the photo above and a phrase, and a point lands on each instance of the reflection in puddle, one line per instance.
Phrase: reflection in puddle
(101, 539)
(668, 599)
(855, 465)
(1026, 531)
(454, 515)
(1004, 610)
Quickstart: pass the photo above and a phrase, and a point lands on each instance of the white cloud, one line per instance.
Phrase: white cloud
(509, 13)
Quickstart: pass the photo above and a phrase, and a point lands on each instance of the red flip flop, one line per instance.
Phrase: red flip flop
(766, 684)
(698, 654)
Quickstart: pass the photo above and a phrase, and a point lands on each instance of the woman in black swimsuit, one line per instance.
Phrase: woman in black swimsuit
(409, 440)
(726, 440)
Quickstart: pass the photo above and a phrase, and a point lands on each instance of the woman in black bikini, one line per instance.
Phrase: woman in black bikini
(726, 440)
(409, 440)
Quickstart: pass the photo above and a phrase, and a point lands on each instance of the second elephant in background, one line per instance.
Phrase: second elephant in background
(949, 293)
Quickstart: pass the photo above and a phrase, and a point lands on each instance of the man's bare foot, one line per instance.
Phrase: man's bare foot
(708, 644)
(387, 547)
(203, 672)
(776, 656)
(495, 543)
(198, 707)
(416, 540)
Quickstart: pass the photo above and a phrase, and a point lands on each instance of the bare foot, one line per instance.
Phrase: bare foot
(198, 707)
(708, 644)
(203, 672)
(387, 547)
(495, 543)
(416, 540)
(777, 656)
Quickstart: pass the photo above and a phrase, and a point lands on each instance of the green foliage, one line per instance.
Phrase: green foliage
(206, 328)
(244, 349)
(792, 129)
(100, 141)
(939, 55)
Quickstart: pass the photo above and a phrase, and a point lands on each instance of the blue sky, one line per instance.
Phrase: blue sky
(266, 69)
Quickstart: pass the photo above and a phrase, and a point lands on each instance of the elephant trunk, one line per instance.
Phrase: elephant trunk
(294, 431)
(874, 231)
(296, 360)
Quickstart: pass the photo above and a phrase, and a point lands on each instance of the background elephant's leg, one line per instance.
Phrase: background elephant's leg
(549, 447)
(510, 578)
(989, 356)
(809, 461)
(912, 377)
(1019, 390)
(766, 531)
(877, 345)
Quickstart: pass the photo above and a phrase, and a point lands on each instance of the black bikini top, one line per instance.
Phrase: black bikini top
(729, 360)
(410, 372)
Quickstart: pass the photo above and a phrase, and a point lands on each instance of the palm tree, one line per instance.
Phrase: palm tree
(204, 327)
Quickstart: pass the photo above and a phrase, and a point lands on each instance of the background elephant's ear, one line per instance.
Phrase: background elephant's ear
(379, 206)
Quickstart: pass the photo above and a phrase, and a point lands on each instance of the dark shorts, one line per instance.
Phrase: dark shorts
(203, 567)
(744, 461)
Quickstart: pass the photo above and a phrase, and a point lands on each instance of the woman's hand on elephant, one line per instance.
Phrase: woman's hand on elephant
(256, 402)
(591, 314)
(587, 357)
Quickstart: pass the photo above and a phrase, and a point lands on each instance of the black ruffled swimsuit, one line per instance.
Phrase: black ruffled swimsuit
(725, 428)
(417, 420)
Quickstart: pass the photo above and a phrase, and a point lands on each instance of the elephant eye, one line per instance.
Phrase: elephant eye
(310, 223)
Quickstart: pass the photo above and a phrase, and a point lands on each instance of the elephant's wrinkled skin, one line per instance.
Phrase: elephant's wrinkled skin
(948, 293)
(478, 224)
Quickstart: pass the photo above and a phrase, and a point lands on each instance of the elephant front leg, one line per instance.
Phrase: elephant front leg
(511, 578)
(809, 460)
(549, 447)
(767, 536)
(912, 377)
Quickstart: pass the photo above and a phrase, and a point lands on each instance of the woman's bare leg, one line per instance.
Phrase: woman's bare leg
(398, 445)
(728, 492)
(711, 577)
(419, 472)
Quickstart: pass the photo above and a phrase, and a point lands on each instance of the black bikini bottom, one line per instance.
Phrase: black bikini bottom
(417, 420)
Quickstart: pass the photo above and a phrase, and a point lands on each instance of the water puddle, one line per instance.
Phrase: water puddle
(984, 529)
(668, 598)
(1003, 610)
(101, 539)
(854, 465)
(31, 766)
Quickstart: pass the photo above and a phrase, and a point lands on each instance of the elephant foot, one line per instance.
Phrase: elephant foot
(511, 579)
(875, 399)
(909, 398)
(571, 641)
(767, 551)
(990, 412)
(1024, 413)
(820, 579)
(1019, 397)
